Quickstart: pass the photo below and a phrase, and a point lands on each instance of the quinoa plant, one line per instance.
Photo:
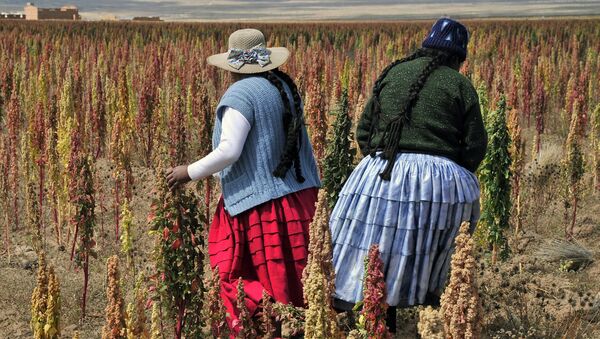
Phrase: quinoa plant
(495, 177)
(39, 298)
(13, 126)
(115, 327)
(315, 111)
(318, 277)
(205, 107)
(52, 327)
(177, 224)
(431, 323)
(45, 302)
(33, 218)
(267, 325)
(4, 199)
(595, 138)
(338, 163)
(37, 151)
(64, 130)
(121, 148)
(244, 323)
(54, 180)
(127, 235)
(155, 322)
(539, 106)
(147, 103)
(83, 220)
(573, 169)
(461, 305)
(290, 316)
(136, 315)
(371, 321)
(516, 150)
(214, 312)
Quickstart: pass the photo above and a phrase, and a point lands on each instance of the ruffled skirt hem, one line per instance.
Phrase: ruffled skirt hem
(414, 218)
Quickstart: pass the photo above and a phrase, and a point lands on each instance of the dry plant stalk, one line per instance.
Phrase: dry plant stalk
(461, 306)
(115, 314)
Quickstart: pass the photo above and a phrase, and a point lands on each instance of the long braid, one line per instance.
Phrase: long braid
(377, 87)
(298, 121)
(393, 130)
(292, 124)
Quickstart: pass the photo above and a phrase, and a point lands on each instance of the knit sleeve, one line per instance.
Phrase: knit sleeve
(474, 143)
(239, 97)
(363, 128)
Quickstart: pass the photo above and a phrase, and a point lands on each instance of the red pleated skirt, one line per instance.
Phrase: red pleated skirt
(267, 246)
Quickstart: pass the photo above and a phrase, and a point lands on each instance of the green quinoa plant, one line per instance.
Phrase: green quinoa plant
(338, 165)
(495, 177)
(177, 223)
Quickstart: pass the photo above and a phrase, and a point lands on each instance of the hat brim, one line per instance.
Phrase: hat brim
(279, 56)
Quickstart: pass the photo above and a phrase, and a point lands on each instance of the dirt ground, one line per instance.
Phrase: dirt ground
(522, 295)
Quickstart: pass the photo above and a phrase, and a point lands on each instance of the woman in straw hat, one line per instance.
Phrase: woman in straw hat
(422, 136)
(268, 176)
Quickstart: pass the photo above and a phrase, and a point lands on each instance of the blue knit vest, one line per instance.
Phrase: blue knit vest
(249, 181)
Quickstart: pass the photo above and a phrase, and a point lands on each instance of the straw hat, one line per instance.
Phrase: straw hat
(248, 54)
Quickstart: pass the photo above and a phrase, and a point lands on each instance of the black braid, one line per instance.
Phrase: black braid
(298, 120)
(390, 139)
(292, 124)
(377, 87)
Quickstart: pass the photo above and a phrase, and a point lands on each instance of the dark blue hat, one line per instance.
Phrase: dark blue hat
(449, 35)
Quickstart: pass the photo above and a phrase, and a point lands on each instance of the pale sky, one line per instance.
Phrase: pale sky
(233, 10)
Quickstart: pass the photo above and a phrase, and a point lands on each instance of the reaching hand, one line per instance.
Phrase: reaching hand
(177, 176)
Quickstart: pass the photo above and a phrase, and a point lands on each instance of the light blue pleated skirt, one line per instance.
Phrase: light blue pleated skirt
(414, 218)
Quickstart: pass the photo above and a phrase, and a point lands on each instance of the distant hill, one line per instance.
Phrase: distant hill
(317, 10)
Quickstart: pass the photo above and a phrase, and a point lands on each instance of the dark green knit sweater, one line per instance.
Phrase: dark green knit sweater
(446, 119)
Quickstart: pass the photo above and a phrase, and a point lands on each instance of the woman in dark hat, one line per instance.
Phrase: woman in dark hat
(268, 177)
(422, 136)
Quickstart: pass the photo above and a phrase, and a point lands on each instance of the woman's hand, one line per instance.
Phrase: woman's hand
(177, 176)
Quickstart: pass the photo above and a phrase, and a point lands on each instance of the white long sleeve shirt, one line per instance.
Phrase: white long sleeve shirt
(233, 137)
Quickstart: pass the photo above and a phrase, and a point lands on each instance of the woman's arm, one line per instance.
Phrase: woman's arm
(475, 139)
(235, 129)
(363, 128)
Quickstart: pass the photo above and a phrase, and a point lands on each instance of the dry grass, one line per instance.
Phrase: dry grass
(563, 251)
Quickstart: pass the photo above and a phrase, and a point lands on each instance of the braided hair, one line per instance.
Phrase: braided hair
(293, 121)
(389, 142)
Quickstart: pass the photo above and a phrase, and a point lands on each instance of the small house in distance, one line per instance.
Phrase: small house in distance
(32, 12)
(146, 18)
